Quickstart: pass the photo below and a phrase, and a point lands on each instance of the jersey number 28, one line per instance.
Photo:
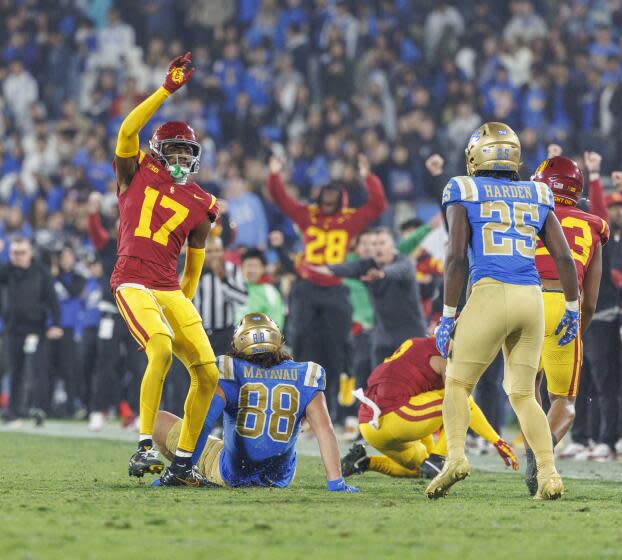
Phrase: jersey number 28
(254, 402)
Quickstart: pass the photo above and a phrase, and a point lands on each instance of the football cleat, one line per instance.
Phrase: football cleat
(454, 470)
(355, 462)
(143, 462)
(181, 477)
(531, 472)
(550, 487)
(432, 466)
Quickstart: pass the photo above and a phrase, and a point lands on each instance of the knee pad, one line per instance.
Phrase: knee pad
(459, 384)
(160, 349)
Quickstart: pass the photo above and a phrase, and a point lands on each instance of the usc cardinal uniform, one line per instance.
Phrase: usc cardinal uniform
(402, 407)
(156, 216)
(584, 232)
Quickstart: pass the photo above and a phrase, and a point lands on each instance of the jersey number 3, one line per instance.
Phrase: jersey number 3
(508, 217)
(180, 213)
(253, 406)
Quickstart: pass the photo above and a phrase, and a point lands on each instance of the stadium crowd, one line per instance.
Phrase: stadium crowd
(316, 83)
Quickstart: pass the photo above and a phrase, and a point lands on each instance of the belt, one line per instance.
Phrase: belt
(552, 290)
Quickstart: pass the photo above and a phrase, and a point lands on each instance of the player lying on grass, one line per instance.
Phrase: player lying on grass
(262, 395)
(401, 409)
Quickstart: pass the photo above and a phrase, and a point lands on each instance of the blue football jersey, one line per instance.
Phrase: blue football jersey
(262, 418)
(505, 217)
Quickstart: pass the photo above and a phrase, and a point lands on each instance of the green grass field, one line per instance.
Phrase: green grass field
(71, 499)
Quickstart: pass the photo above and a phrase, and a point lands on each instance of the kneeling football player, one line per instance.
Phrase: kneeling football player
(262, 395)
(400, 411)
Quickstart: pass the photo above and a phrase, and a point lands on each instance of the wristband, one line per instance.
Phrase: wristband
(573, 305)
(333, 485)
(449, 312)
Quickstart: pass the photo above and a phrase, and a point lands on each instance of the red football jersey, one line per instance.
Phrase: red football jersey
(327, 238)
(583, 232)
(155, 217)
(401, 376)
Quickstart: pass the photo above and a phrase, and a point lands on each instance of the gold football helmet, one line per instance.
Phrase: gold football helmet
(494, 146)
(256, 334)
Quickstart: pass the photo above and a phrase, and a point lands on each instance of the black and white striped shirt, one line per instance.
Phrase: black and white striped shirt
(218, 300)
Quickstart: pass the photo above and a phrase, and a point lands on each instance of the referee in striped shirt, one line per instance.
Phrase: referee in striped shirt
(221, 292)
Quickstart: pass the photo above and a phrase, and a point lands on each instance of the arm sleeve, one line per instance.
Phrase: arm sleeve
(375, 205)
(127, 141)
(352, 269)
(403, 270)
(409, 243)
(192, 271)
(597, 200)
(98, 234)
(294, 210)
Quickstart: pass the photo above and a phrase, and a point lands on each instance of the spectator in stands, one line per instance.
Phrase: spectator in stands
(263, 297)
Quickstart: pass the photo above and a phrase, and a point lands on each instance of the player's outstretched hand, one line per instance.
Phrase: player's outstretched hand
(507, 453)
(364, 167)
(339, 485)
(179, 73)
(570, 321)
(275, 165)
(592, 161)
(553, 150)
(443, 335)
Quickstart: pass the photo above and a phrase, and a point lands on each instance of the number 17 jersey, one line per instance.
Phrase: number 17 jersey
(155, 217)
(505, 218)
(262, 418)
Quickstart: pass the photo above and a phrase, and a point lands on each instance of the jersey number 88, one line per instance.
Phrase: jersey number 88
(254, 402)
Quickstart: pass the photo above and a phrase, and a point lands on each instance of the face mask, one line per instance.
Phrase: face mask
(178, 172)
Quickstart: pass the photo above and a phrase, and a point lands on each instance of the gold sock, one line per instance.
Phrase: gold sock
(480, 425)
(388, 466)
(456, 416)
(536, 428)
(159, 350)
(203, 380)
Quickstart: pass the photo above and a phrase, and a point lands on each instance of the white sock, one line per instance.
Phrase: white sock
(183, 454)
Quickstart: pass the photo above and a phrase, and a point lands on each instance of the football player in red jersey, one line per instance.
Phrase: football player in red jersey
(320, 309)
(400, 410)
(159, 209)
(586, 234)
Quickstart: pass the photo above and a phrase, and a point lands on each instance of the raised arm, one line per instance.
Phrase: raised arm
(410, 242)
(376, 199)
(595, 189)
(319, 420)
(128, 144)
(293, 209)
(97, 233)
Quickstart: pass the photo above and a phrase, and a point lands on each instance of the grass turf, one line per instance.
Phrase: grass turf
(71, 499)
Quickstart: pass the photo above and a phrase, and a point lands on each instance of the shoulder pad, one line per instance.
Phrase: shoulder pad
(315, 375)
(460, 189)
(225, 368)
(545, 194)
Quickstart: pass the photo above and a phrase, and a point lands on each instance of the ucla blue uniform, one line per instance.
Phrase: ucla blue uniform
(505, 218)
(262, 419)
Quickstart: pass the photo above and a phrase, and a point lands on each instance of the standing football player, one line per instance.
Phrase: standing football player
(497, 218)
(585, 234)
(320, 309)
(159, 209)
(264, 396)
